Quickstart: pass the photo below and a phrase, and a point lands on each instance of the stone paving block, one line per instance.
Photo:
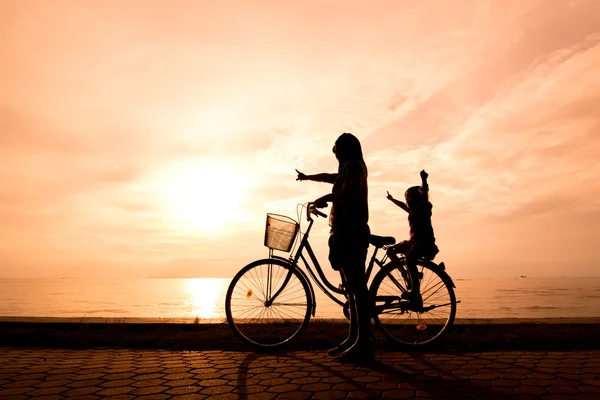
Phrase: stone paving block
(148, 382)
(179, 370)
(149, 370)
(316, 387)
(224, 396)
(288, 387)
(306, 380)
(586, 396)
(154, 397)
(118, 383)
(558, 397)
(262, 396)
(507, 383)
(82, 391)
(85, 383)
(48, 397)
(352, 373)
(19, 384)
(245, 389)
(367, 379)
(532, 390)
(295, 395)
(15, 391)
(329, 395)
(381, 386)
(589, 389)
(333, 379)
(363, 394)
(184, 390)
(562, 389)
(114, 377)
(508, 375)
(295, 374)
(212, 382)
(268, 375)
(216, 389)
(115, 391)
(274, 381)
(209, 375)
(87, 376)
(148, 390)
(187, 382)
(46, 391)
(536, 382)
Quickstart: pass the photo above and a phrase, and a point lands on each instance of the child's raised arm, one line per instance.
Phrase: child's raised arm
(397, 202)
(424, 187)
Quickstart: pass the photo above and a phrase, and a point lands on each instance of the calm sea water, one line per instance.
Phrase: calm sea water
(204, 298)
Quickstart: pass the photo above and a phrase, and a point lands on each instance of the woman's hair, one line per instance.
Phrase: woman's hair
(347, 147)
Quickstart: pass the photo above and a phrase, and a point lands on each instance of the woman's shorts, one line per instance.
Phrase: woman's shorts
(348, 251)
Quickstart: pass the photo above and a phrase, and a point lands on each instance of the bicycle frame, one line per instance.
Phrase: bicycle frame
(319, 278)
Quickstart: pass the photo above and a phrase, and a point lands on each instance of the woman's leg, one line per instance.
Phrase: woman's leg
(349, 256)
(353, 330)
(361, 317)
(361, 304)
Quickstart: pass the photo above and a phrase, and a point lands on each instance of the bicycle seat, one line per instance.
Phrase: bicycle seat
(380, 241)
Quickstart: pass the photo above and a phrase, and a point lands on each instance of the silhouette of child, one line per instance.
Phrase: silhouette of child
(422, 240)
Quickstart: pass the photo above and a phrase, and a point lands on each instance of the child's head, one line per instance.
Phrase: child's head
(413, 196)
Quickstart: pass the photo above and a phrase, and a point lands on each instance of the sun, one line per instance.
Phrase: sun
(204, 197)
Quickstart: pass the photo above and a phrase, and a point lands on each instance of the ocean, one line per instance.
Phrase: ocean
(204, 298)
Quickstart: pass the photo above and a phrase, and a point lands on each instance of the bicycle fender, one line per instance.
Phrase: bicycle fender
(441, 268)
(310, 286)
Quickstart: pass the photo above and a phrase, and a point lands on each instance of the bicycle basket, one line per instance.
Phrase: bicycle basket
(280, 232)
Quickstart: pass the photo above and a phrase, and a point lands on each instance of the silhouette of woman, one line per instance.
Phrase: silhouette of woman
(349, 240)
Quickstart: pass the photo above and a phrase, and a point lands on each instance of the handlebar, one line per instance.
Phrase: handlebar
(313, 210)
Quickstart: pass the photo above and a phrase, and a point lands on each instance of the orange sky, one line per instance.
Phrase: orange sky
(151, 138)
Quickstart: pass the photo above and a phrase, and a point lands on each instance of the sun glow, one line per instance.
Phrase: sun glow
(204, 295)
(204, 197)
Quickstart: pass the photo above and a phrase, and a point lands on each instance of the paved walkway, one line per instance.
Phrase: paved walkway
(161, 374)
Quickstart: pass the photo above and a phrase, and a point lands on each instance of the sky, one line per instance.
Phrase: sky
(151, 138)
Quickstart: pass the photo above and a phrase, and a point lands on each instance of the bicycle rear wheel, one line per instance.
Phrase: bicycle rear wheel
(400, 323)
(255, 316)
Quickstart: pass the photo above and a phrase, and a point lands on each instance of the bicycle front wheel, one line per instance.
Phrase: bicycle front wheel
(394, 316)
(263, 309)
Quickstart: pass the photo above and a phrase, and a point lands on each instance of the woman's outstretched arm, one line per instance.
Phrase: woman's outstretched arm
(327, 178)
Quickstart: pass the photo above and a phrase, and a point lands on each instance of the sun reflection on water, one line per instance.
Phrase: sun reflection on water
(204, 296)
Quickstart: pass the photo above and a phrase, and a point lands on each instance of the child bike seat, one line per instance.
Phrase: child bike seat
(380, 241)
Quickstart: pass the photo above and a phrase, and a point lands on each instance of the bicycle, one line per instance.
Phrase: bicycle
(270, 301)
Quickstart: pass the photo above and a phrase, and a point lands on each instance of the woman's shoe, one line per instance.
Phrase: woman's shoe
(356, 355)
(345, 345)
(336, 350)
